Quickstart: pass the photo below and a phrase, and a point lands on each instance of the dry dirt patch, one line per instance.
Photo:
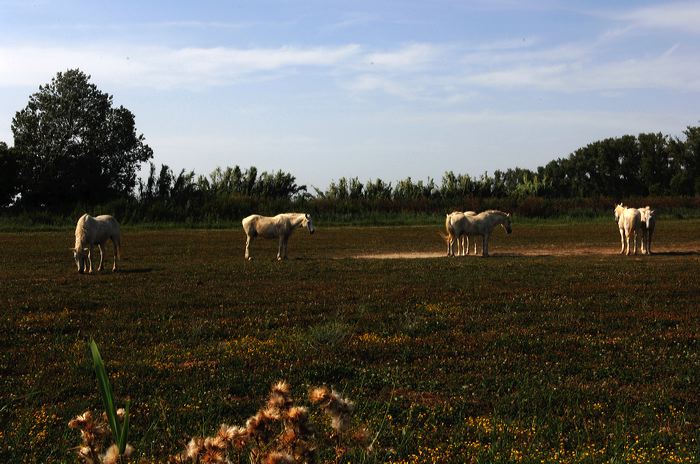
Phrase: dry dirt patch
(575, 250)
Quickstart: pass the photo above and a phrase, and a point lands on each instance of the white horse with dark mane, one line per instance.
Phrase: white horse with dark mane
(629, 222)
(648, 223)
(459, 224)
(280, 226)
(92, 231)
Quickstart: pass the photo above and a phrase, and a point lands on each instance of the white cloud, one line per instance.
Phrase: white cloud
(373, 83)
(683, 16)
(410, 56)
(439, 73)
(160, 67)
(670, 70)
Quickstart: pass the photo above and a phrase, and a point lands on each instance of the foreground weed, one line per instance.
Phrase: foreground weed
(94, 431)
(281, 432)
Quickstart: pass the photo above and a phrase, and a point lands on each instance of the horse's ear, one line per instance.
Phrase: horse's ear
(308, 216)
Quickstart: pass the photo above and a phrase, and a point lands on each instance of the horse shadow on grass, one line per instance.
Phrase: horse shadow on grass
(137, 270)
(676, 253)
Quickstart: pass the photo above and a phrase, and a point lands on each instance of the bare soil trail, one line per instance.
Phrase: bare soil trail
(688, 249)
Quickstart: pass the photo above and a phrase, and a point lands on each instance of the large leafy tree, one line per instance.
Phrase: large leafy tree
(73, 146)
(9, 185)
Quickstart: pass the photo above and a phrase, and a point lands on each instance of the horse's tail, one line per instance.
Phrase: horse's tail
(446, 238)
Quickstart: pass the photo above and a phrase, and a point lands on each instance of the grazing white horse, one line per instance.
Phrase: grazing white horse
(629, 222)
(459, 224)
(280, 226)
(648, 222)
(92, 231)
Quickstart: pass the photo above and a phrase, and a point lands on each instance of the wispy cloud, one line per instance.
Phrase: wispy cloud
(375, 83)
(162, 67)
(673, 69)
(414, 71)
(410, 56)
(683, 16)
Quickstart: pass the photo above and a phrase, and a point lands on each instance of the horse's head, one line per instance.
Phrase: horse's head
(619, 209)
(79, 255)
(507, 224)
(308, 223)
(647, 216)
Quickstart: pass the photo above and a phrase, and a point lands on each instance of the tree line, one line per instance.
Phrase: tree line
(73, 149)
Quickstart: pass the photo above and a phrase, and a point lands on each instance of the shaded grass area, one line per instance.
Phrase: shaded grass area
(514, 358)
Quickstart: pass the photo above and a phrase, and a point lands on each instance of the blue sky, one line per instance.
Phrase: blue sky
(389, 89)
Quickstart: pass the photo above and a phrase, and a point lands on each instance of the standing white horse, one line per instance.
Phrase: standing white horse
(460, 224)
(465, 238)
(648, 222)
(280, 226)
(462, 240)
(629, 222)
(92, 231)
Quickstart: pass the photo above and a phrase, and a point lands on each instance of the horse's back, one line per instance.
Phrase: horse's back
(264, 226)
(249, 224)
(633, 218)
(107, 227)
(107, 219)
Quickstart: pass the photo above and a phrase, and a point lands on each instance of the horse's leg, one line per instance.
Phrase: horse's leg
(99, 247)
(636, 238)
(89, 258)
(115, 248)
(627, 240)
(279, 248)
(647, 239)
(284, 250)
(247, 247)
(485, 246)
(475, 242)
(622, 240)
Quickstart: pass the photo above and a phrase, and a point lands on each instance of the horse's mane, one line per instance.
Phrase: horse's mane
(81, 227)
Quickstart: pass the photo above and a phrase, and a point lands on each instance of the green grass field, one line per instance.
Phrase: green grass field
(555, 349)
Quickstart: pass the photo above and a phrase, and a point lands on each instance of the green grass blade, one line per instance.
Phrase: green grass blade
(124, 435)
(105, 390)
